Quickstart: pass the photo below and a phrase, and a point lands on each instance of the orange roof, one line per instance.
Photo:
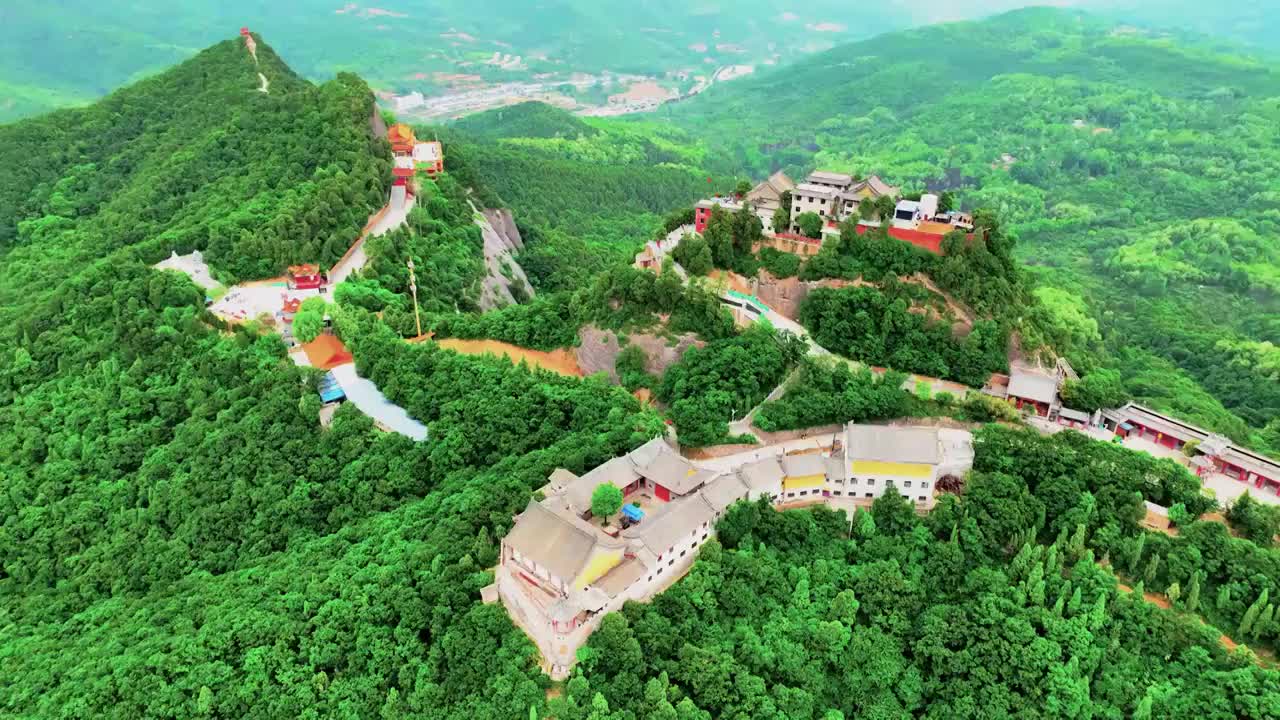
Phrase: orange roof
(936, 228)
(327, 352)
(291, 305)
(304, 269)
(400, 133)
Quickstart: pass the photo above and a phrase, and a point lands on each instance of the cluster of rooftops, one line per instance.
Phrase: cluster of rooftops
(836, 197)
(585, 566)
(1213, 452)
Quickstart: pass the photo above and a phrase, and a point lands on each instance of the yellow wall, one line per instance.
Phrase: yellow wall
(804, 482)
(601, 562)
(875, 468)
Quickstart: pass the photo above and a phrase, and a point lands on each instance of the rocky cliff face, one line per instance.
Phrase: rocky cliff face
(505, 282)
(377, 126)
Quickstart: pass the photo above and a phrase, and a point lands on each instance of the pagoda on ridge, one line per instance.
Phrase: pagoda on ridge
(402, 140)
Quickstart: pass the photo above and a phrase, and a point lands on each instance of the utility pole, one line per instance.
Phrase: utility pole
(413, 288)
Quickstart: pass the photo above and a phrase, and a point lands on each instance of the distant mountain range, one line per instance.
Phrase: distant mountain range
(53, 55)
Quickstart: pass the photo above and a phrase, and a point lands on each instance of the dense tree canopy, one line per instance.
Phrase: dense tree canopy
(881, 328)
(179, 536)
(957, 615)
(722, 382)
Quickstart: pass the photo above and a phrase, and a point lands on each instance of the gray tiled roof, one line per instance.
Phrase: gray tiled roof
(804, 465)
(723, 492)
(892, 444)
(811, 189)
(1033, 386)
(619, 471)
(672, 523)
(830, 177)
(1076, 415)
(621, 577)
(673, 472)
(880, 187)
(762, 474)
(551, 540)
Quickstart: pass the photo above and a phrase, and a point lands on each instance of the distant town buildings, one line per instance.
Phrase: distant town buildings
(404, 103)
(562, 570)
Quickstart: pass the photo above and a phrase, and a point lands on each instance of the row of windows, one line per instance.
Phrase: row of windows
(811, 200)
(839, 493)
(672, 561)
(871, 482)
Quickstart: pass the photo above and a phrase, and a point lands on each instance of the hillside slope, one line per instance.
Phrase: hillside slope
(585, 192)
(161, 166)
(179, 537)
(1137, 172)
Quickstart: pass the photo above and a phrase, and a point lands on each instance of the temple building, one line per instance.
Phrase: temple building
(562, 569)
(1212, 455)
(305, 277)
(429, 157)
(401, 138)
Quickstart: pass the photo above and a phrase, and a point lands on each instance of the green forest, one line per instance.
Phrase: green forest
(587, 193)
(997, 604)
(180, 537)
(1134, 174)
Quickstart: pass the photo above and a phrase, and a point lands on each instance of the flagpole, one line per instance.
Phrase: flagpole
(413, 288)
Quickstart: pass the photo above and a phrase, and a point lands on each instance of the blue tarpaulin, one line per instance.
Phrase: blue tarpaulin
(330, 390)
(632, 512)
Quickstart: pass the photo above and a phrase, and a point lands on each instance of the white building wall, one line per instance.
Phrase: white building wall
(873, 486)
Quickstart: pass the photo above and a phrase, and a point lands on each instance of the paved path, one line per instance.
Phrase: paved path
(357, 258)
(369, 400)
(744, 426)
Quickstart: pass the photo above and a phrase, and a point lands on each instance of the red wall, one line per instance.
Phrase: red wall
(700, 216)
(923, 240)
(1020, 403)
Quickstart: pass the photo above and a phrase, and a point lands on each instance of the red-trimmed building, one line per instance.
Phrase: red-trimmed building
(1214, 454)
(401, 138)
(702, 211)
(1033, 391)
(305, 277)
(428, 157)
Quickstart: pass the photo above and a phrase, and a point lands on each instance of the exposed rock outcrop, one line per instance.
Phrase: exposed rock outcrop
(377, 125)
(598, 350)
(504, 279)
